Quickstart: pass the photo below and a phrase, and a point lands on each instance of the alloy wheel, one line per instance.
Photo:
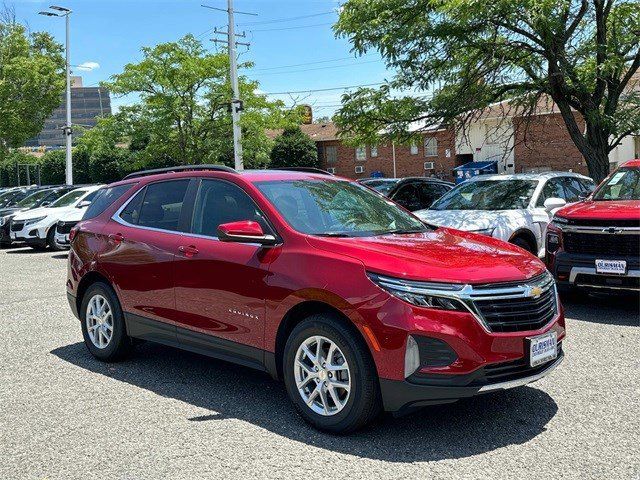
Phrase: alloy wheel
(322, 375)
(99, 321)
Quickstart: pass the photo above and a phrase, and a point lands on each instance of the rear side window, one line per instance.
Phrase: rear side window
(158, 205)
(104, 198)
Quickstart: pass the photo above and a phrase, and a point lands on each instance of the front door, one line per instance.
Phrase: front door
(220, 286)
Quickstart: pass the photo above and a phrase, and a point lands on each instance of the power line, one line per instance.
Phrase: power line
(318, 68)
(325, 89)
(292, 28)
(289, 19)
(309, 63)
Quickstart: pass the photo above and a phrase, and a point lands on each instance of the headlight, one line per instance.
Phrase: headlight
(31, 221)
(421, 294)
(3, 221)
(485, 231)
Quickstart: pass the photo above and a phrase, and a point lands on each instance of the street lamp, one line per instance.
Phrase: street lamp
(67, 130)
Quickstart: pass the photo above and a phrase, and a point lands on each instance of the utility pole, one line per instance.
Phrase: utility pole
(67, 130)
(236, 103)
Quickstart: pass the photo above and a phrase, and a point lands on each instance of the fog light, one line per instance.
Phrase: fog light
(411, 357)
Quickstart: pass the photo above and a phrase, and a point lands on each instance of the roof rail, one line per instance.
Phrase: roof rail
(302, 169)
(180, 168)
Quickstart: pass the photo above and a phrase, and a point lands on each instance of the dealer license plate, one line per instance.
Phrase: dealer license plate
(618, 267)
(543, 348)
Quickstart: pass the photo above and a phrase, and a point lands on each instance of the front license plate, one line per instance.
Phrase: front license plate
(543, 348)
(617, 267)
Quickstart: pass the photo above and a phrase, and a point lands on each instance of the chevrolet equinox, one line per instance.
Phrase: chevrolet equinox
(351, 300)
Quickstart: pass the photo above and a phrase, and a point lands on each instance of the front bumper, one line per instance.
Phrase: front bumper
(32, 234)
(418, 391)
(574, 270)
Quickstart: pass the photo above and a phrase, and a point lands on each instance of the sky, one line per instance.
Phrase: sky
(290, 53)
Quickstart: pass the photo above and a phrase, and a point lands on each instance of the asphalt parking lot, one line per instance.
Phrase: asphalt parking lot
(168, 414)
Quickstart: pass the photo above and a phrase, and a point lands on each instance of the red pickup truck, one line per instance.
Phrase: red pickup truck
(595, 244)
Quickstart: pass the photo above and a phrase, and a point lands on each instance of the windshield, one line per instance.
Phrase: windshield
(337, 208)
(382, 186)
(68, 199)
(11, 198)
(33, 199)
(488, 195)
(622, 185)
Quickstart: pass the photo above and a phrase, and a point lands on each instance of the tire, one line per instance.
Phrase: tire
(51, 240)
(363, 402)
(119, 344)
(524, 244)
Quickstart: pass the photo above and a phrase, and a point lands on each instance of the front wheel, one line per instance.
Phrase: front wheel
(330, 376)
(103, 326)
(51, 240)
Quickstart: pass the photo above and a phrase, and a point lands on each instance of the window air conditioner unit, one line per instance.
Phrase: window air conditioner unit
(428, 166)
(359, 169)
(331, 170)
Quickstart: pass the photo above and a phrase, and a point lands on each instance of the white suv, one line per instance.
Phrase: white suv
(515, 208)
(37, 227)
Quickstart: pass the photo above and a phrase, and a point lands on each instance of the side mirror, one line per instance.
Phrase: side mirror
(554, 203)
(244, 231)
(83, 204)
(45, 204)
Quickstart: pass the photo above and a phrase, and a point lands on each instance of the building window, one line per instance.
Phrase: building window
(414, 148)
(332, 154)
(374, 150)
(430, 147)
(361, 153)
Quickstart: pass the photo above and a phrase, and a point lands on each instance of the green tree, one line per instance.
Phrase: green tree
(53, 165)
(469, 54)
(294, 149)
(31, 81)
(182, 116)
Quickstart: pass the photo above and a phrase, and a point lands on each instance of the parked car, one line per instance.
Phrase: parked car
(355, 303)
(413, 193)
(37, 227)
(514, 208)
(14, 195)
(595, 244)
(40, 197)
(70, 219)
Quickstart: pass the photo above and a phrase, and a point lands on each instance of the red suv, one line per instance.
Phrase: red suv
(595, 244)
(351, 300)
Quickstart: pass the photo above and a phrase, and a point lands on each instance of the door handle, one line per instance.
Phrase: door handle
(116, 237)
(188, 250)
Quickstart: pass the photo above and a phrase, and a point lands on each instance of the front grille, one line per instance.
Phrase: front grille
(602, 222)
(17, 226)
(65, 227)
(518, 314)
(507, 371)
(606, 244)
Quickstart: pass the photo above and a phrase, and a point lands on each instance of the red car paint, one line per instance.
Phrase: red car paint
(617, 220)
(243, 292)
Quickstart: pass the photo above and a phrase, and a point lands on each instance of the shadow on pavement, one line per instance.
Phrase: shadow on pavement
(469, 427)
(60, 256)
(604, 308)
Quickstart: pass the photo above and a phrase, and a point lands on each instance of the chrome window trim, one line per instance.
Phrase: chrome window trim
(467, 294)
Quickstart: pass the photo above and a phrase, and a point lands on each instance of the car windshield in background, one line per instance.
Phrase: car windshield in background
(488, 195)
(382, 186)
(33, 199)
(337, 208)
(68, 199)
(622, 185)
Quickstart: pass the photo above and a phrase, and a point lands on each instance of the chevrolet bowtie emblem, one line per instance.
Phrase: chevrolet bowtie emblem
(535, 292)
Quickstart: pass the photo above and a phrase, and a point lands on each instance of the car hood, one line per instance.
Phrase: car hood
(473, 220)
(73, 216)
(608, 210)
(42, 212)
(442, 255)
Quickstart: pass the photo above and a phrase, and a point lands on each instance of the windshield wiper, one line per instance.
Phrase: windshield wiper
(402, 231)
(331, 234)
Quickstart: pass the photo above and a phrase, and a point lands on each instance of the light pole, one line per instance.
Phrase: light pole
(67, 130)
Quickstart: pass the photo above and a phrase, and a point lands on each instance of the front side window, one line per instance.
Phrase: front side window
(430, 147)
(624, 184)
(219, 202)
(383, 186)
(430, 192)
(337, 208)
(158, 205)
(488, 195)
(34, 199)
(68, 199)
(408, 197)
(361, 153)
(552, 189)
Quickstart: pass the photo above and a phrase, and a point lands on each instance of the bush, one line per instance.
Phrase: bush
(8, 168)
(109, 166)
(53, 167)
(294, 149)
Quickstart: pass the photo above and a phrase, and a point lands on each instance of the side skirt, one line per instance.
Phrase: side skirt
(182, 338)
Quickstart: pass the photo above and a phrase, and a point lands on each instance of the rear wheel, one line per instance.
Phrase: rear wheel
(330, 375)
(103, 326)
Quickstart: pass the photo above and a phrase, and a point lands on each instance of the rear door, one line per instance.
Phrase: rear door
(143, 239)
(220, 286)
